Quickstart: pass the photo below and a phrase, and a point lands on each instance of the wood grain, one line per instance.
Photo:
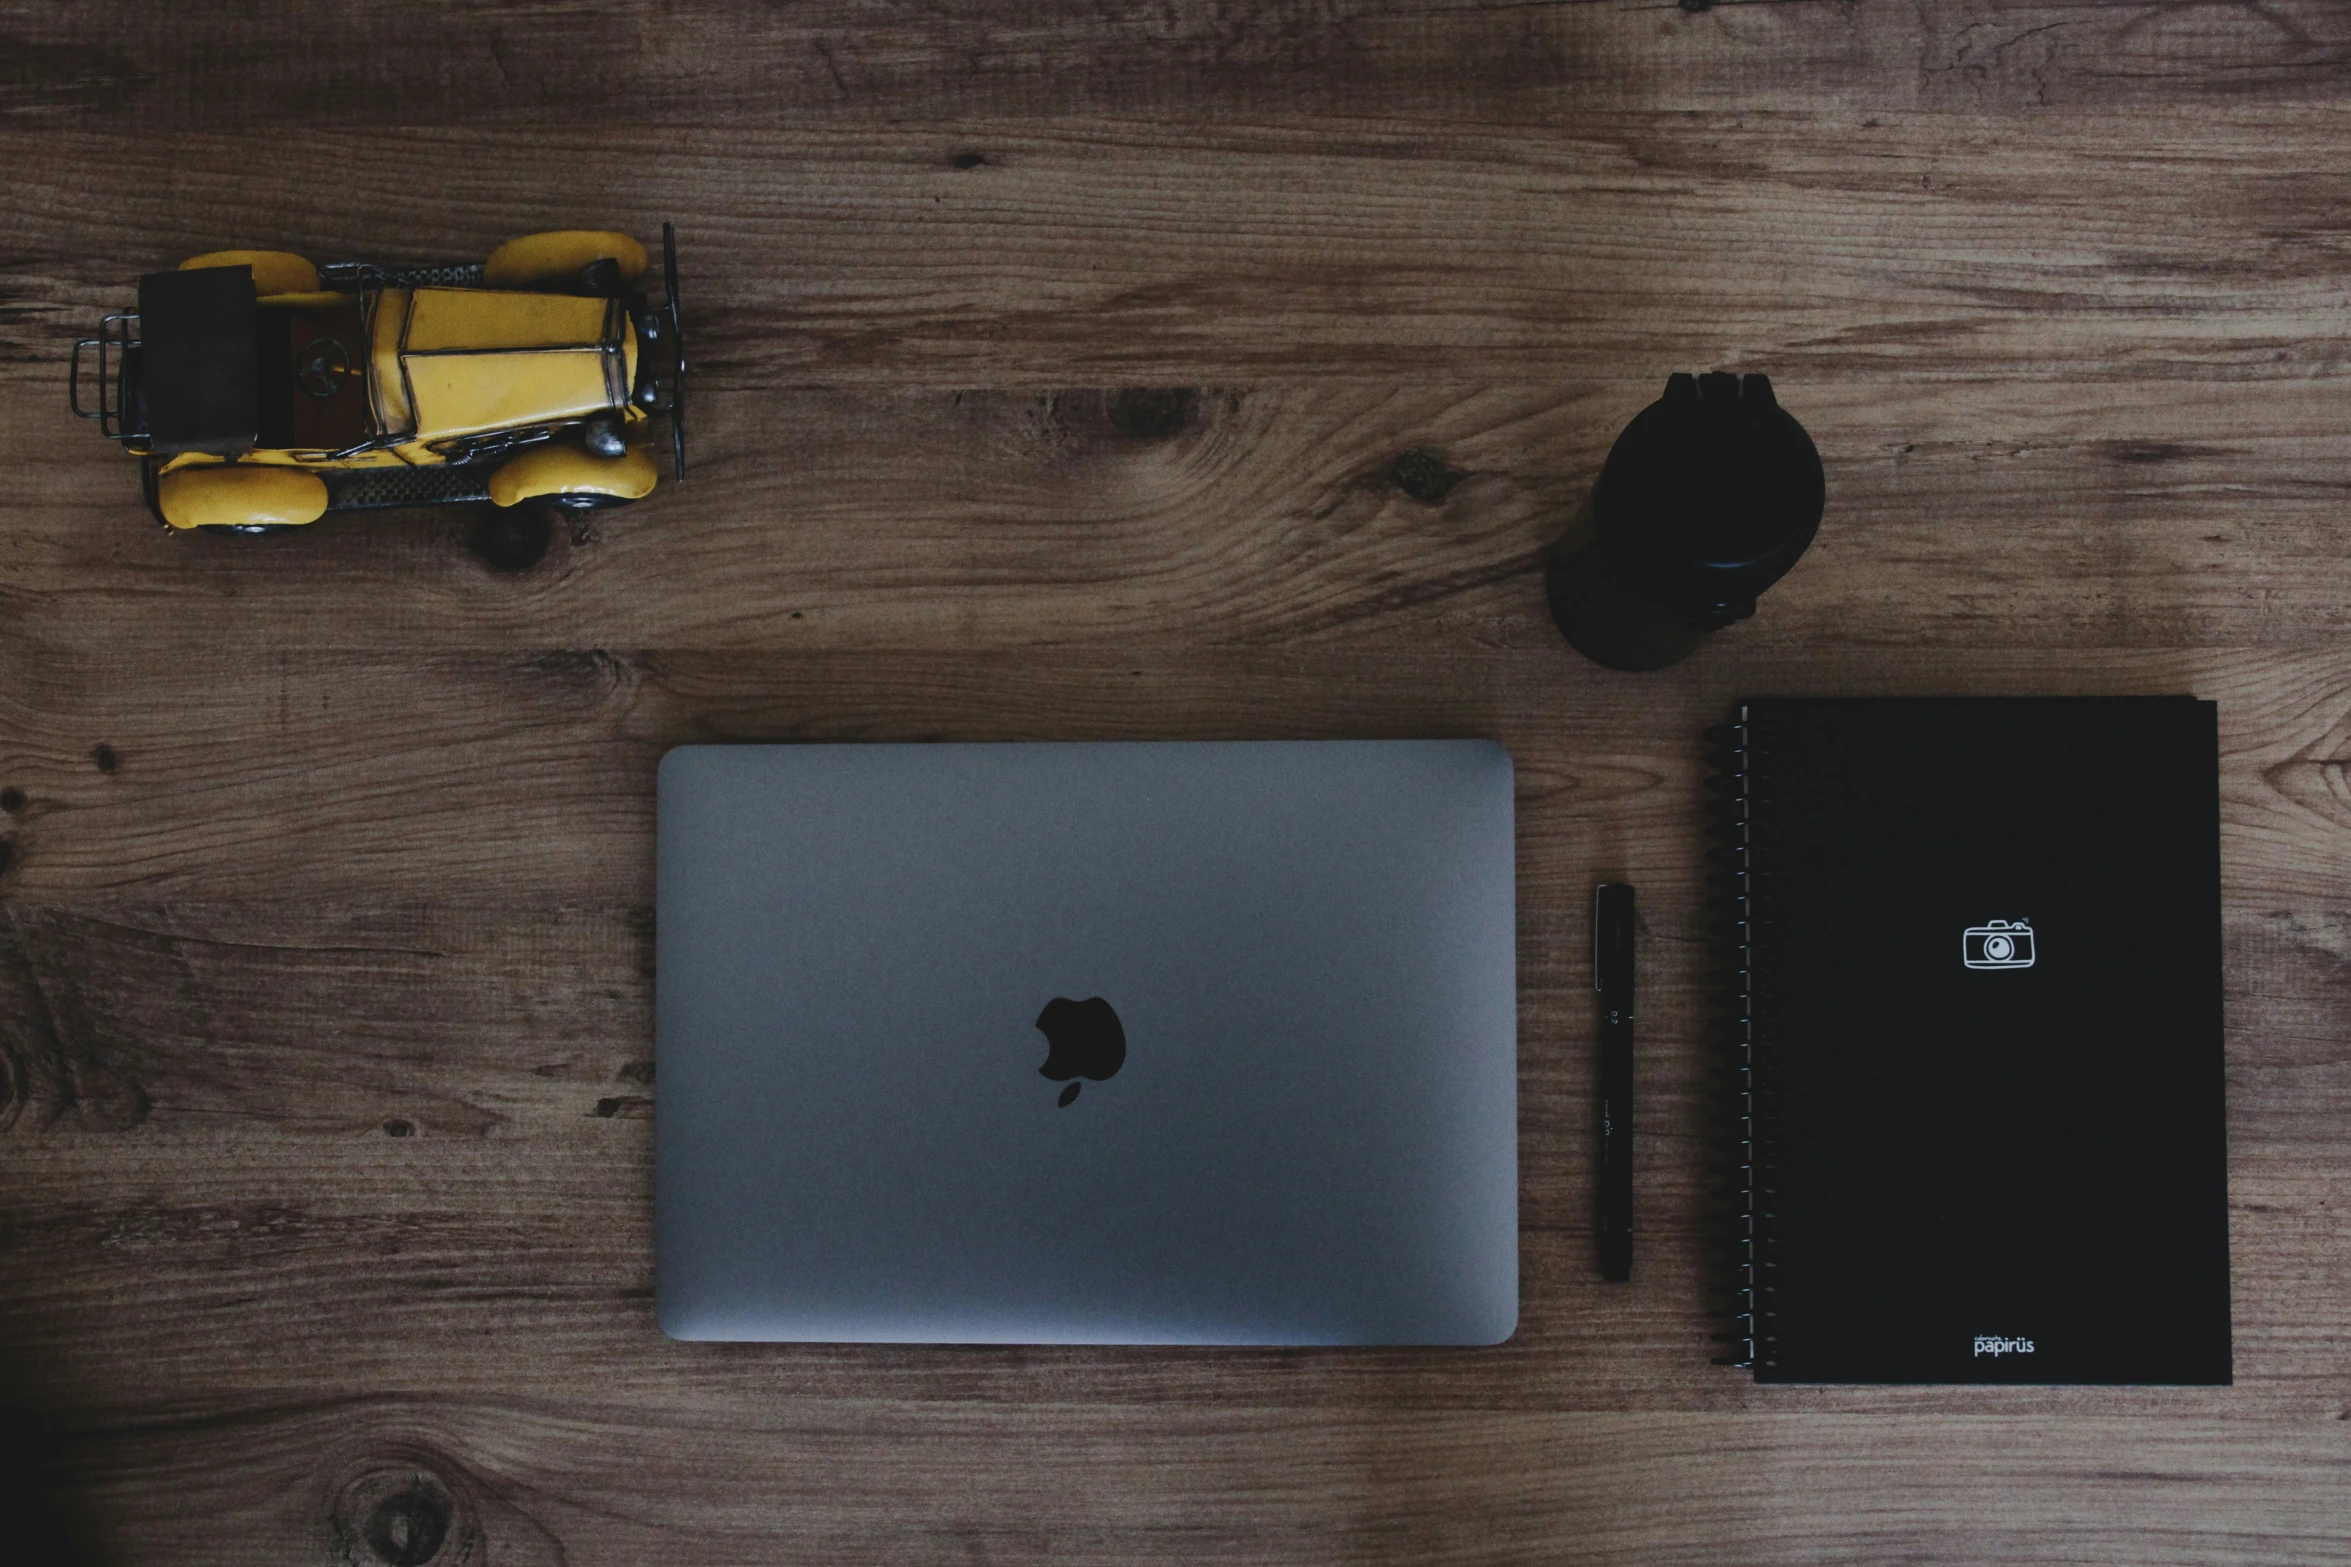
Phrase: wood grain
(1097, 371)
(860, 61)
(1096, 250)
(1209, 1482)
(1254, 515)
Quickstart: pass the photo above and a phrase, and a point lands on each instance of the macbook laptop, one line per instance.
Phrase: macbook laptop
(1117, 1043)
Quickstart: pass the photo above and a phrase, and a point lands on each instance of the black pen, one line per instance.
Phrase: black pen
(1612, 976)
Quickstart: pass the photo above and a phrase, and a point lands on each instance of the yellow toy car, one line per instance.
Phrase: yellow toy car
(260, 392)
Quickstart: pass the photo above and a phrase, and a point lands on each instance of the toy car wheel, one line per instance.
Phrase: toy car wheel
(587, 502)
(274, 271)
(586, 260)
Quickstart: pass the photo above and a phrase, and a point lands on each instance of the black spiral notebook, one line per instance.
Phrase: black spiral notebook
(1974, 1038)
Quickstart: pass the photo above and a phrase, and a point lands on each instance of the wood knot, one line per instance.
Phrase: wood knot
(402, 1515)
(11, 800)
(407, 1528)
(1154, 413)
(969, 160)
(106, 757)
(510, 539)
(1424, 477)
(397, 1127)
(592, 668)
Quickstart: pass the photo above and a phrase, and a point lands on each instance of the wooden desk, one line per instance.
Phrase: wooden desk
(1057, 361)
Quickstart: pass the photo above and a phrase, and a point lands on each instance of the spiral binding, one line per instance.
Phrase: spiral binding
(1747, 932)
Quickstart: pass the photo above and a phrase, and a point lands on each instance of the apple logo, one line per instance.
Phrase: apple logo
(1082, 1039)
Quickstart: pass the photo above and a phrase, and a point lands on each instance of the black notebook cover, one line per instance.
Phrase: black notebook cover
(1976, 1040)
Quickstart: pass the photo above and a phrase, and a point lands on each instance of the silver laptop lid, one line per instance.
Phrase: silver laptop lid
(1094, 1043)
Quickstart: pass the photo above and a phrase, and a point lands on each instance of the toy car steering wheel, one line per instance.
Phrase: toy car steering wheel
(322, 368)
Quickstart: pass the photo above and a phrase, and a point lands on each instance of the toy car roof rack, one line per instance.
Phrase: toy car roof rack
(182, 373)
(117, 408)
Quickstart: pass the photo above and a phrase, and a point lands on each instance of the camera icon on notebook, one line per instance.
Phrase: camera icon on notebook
(1999, 944)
